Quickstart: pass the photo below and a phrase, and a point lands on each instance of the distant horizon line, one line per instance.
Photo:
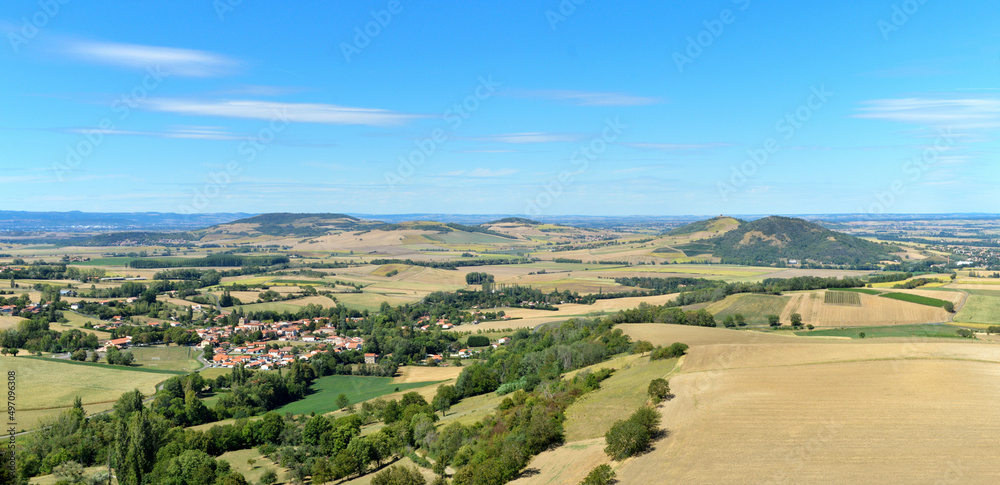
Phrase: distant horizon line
(502, 214)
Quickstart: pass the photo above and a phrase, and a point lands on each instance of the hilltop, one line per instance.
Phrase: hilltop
(713, 226)
(774, 239)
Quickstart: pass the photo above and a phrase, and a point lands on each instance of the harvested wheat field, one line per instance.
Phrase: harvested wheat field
(873, 311)
(568, 464)
(771, 417)
(419, 373)
(663, 334)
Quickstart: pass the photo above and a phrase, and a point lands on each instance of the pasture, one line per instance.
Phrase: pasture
(592, 414)
(901, 331)
(167, 358)
(980, 309)
(755, 308)
(46, 388)
(357, 388)
(920, 300)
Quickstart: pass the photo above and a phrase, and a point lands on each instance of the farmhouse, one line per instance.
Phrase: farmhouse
(370, 358)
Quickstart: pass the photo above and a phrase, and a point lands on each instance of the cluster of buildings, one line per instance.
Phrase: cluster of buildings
(11, 309)
(256, 354)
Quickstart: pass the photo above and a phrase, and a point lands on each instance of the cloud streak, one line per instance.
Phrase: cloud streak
(587, 98)
(293, 112)
(527, 138)
(174, 61)
(961, 113)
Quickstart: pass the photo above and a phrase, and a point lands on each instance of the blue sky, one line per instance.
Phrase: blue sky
(515, 107)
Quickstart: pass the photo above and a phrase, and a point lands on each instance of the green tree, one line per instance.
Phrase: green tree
(659, 389)
(641, 347)
(269, 477)
(600, 475)
(321, 471)
(343, 401)
(774, 320)
(445, 397)
(626, 438)
(69, 471)
(741, 320)
(399, 475)
(796, 320)
(135, 447)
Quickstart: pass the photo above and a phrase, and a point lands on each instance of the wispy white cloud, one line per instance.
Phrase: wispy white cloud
(193, 133)
(673, 147)
(484, 151)
(539, 137)
(961, 113)
(480, 173)
(585, 98)
(293, 112)
(171, 60)
(258, 90)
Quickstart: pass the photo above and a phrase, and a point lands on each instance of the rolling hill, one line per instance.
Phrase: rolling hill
(713, 226)
(776, 239)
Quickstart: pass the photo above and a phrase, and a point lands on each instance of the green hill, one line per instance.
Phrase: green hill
(775, 239)
(717, 225)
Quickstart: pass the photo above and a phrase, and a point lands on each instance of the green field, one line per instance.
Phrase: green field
(921, 300)
(167, 358)
(925, 330)
(46, 387)
(849, 298)
(357, 388)
(592, 415)
(980, 309)
(755, 308)
(867, 291)
(93, 365)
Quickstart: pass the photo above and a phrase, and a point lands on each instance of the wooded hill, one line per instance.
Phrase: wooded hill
(776, 239)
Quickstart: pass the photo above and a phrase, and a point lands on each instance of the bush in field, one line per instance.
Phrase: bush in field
(632, 436)
(993, 329)
(796, 320)
(659, 389)
(600, 475)
(399, 475)
(965, 333)
(676, 349)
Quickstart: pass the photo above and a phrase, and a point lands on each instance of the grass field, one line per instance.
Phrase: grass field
(238, 461)
(167, 358)
(385, 269)
(980, 309)
(942, 331)
(843, 298)
(358, 389)
(755, 308)
(920, 300)
(593, 414)
(47, 387)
